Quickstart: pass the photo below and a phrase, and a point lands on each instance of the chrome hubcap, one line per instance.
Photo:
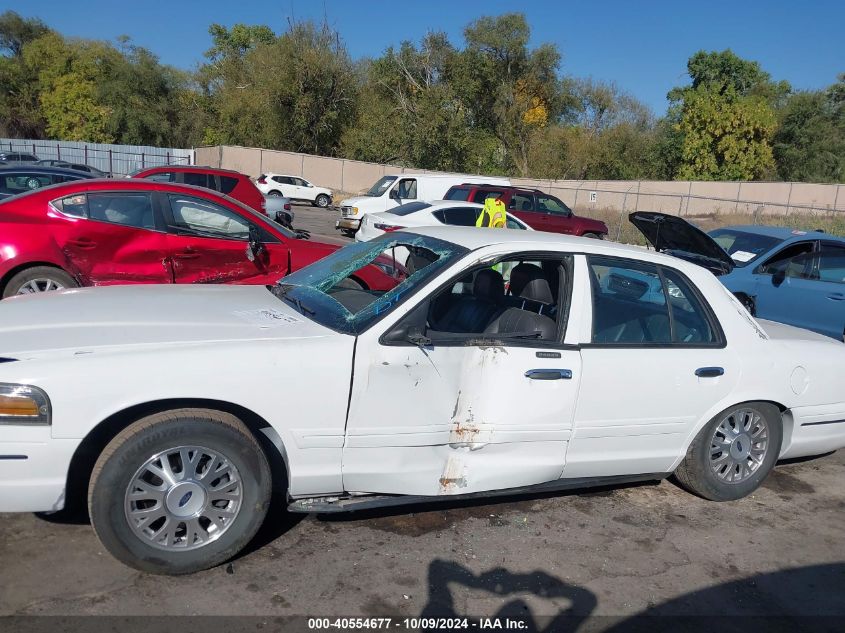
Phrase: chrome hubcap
(39, 285)
(739, 446)
(183, 498)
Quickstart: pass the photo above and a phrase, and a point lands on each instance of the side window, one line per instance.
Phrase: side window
(227, 184)
(283, 180)
(407, 189)
(457, 193)
(552, 205)
(198, 180)
(630, 306)
(299, 182)
(779, 262)
(832, 263)
(481, 196)
(514, 298)
(460, 216)
(521, 202)
(124, 208)
(75, 206)
(513, 224)
(165, 176)
(12, 184)
(200, 216)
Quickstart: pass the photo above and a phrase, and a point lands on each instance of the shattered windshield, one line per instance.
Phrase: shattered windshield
(356, 285)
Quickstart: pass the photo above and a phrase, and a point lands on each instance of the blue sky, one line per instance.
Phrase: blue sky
(641, 46)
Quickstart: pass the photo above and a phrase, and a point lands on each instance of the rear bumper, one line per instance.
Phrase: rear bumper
(347, 224)
(816, 430)
(33, 475)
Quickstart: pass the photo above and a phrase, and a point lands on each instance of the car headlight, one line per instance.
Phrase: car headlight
(23, 404)
(354, 210)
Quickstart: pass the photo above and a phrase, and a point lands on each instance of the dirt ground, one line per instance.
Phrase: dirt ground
(628, 551)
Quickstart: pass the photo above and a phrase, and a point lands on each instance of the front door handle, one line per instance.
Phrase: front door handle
(836, 296)
(549, 374)
(710, 372)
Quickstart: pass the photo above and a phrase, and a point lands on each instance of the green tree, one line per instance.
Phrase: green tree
(725, 119)
(810, 142)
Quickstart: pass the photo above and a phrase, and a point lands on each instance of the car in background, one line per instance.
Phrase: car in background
(416, 214)
(539, 210)
(781, 274)
(232, 183)
(137, 231)
(17, 158)
(294, 188)
(280, 210)
(17, 179)
(95, 173)
(392, 190)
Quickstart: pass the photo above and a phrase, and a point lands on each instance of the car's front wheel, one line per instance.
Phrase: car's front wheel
(322, 201)
(38, 279)
(731, 456)
(180, 491)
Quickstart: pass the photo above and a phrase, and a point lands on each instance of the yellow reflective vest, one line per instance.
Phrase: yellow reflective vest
(493, 214)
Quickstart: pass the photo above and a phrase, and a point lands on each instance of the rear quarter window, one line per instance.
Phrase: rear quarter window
(457, 193)
(227, 184)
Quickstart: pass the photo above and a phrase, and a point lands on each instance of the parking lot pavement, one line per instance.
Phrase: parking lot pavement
(319, 222)
(620, 551)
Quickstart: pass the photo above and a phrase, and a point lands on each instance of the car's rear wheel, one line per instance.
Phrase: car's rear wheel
(38, 279)
(274, 194)
(733, 453)
(180, 491)
(322, 201)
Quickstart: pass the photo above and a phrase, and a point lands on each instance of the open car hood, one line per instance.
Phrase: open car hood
(675, 236)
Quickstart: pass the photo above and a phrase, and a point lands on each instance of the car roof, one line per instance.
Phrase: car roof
(436, 204)
(194, 168)
(44, 170)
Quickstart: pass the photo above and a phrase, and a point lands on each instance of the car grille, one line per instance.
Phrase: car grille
(346, 212)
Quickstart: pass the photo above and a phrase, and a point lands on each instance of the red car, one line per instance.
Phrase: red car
(121, 231)
(232, 183)
(538, 210)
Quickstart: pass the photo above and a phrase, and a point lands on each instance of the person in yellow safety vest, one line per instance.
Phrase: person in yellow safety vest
(493, 214)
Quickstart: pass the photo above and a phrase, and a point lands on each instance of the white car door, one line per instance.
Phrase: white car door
(303, 191)
(460, 412)
(285, 185)
(651, 369)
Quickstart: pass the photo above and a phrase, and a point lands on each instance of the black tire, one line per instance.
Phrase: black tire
(593, 236)
(56, 275)
(121, 460)
(275, 193)
(695, 473)
(348, 232)
(322, 201)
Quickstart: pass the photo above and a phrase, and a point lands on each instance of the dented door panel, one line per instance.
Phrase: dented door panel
(456, 420)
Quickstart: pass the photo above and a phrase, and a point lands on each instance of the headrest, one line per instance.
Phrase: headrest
(489, 285)
(529, 282)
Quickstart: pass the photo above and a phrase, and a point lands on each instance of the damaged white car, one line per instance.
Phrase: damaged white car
(501, 362)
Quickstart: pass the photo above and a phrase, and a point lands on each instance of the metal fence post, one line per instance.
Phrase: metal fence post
(86, 154)
(58, 152)
(788, 199)
(142, 160)
(111, 168)
(33, 148)
(168, 158)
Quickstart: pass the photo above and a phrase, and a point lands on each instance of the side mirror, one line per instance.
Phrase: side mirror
(255, 247)
(394, 194)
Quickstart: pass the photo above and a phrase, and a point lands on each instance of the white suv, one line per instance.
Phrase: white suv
(295, 188)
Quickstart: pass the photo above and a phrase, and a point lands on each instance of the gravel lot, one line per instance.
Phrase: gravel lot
(646, 549)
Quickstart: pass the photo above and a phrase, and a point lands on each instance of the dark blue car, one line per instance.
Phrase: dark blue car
(781, 274)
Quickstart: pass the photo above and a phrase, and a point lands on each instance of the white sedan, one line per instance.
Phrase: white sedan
(294, 188)
(175, 411)
(413, 215)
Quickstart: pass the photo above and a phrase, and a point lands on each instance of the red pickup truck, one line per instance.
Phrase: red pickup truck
(538, 210)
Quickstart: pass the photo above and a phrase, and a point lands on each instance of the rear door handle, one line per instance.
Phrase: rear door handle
(836, 296)
(710, 372)
(83, 243)
(549, 374)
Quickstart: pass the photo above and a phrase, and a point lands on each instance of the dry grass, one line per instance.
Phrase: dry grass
(622, 230)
